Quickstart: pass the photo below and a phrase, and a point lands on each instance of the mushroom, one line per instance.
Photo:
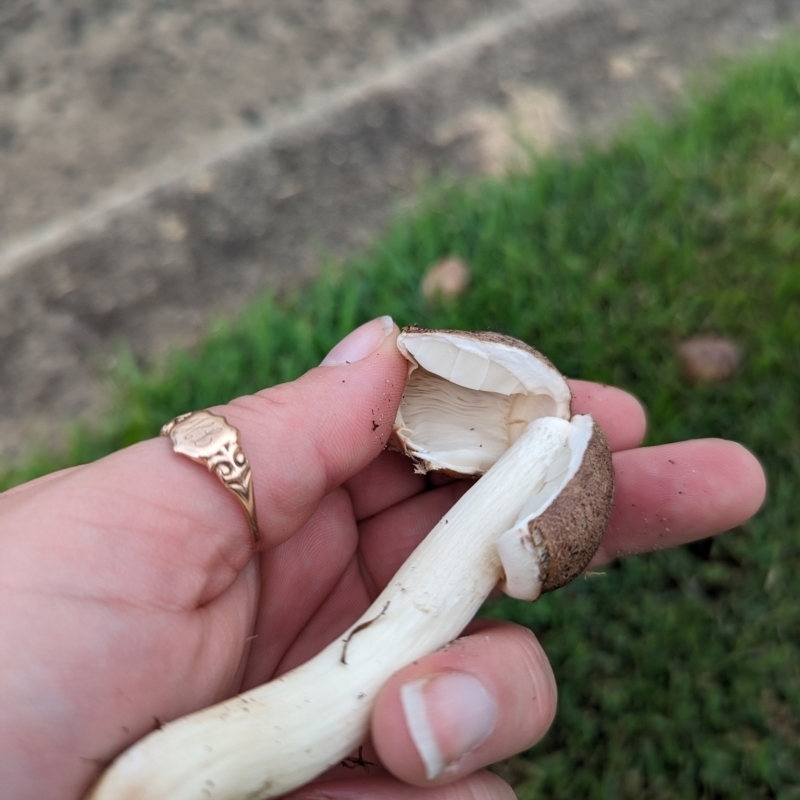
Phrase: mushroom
(474, 403)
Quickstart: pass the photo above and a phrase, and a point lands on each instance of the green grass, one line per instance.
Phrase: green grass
(679, 672)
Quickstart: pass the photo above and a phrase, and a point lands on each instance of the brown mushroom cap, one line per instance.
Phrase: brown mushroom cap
(561, 524)
(570, 530)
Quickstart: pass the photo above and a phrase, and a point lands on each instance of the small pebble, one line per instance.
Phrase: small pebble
(709, 359)
(447, 278)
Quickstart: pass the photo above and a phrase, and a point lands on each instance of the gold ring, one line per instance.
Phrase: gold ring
(209, 440)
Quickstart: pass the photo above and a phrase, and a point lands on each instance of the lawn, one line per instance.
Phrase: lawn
(679, 672)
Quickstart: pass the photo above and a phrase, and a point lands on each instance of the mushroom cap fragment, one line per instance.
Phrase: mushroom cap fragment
(561, 524)
(469, 396)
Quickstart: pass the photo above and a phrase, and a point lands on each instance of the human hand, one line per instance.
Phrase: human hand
(129, 594)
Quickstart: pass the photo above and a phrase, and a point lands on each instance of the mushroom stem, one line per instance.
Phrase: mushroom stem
(274, 738)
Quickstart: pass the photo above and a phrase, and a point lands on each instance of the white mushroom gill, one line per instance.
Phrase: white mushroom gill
(439, 417)
(467, 399)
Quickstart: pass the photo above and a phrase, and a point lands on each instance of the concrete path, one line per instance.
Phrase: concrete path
(162, 162)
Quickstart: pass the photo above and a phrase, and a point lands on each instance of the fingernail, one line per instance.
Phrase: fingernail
(447, 716)
(360, 343)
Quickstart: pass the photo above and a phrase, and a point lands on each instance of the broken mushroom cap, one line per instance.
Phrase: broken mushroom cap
(469, 396)
(561, 524)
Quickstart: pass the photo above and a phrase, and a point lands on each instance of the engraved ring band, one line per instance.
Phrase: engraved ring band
(209, 440)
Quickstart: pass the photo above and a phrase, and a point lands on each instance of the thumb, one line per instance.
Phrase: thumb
(311, 435)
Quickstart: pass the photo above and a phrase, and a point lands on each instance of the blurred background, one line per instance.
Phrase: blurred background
(198, 199)
(162, 162)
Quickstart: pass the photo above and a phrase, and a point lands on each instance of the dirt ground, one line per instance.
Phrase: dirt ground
(92, 92)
